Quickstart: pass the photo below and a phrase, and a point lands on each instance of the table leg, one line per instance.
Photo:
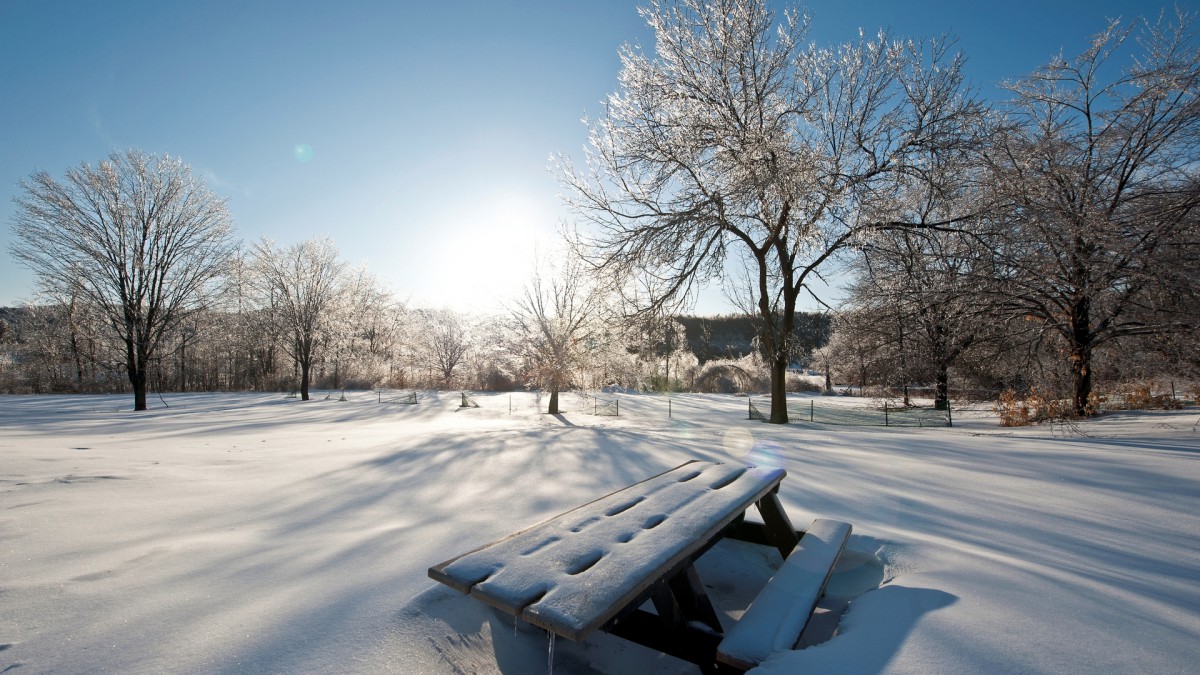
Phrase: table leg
(779, 529)
(692, 599)
(686, 625)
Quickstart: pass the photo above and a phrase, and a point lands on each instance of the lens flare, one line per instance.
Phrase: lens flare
(303, 152)
(766, 453)
(738, 442)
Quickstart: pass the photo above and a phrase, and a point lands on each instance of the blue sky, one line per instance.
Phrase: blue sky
(416, 134)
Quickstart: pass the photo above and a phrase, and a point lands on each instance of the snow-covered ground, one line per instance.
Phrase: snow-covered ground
(248, 533)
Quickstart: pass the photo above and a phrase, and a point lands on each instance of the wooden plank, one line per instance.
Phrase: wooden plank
(776, 618)
(573, 573)
(692, 599)
(778, 526)
(462, 584)
(752, 532)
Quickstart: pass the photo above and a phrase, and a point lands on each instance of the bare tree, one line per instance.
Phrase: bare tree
(737, 145)
(446, 342)
(918, 289)
(301, 285)
(554, 321)
(1099, 168)
(369, 323)
(136, 236)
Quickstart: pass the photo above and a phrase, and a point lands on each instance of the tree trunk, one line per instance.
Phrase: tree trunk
(135, 366)
(1080, 355)
(553, 408)
(305, 367)
(138, 381)
(1081, 378)
(779, 413)
(75, 345)
(183, 383)
(941, 400)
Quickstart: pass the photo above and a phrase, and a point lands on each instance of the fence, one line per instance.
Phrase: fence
(886, 415)
(611, 408)
(407, 397)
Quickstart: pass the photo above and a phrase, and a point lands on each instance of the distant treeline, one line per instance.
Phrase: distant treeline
(64, 347)
(733, 336)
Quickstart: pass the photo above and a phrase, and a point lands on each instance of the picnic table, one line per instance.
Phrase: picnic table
(595, 566)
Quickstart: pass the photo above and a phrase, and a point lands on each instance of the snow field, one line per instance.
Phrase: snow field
(249, 533)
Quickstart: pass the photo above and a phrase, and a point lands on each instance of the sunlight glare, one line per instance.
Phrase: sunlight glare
(491, 253)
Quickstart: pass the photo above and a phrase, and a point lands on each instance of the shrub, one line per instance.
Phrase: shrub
(1034, 408)
(1141, 396)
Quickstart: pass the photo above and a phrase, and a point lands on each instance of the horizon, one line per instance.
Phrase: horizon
(411, 135)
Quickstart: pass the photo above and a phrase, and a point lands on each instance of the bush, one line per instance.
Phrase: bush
(1034, 408)
(744, 375)
(1138, 396)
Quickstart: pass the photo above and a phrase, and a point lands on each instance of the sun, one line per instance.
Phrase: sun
(492, 251)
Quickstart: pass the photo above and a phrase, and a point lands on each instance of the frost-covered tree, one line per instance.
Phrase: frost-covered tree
(735, 145)
(661, 345)
(370, 326)
(300, 286)
(1098, 167)
(554, 325)
(136, 236)
(445, 343)
(919, 288)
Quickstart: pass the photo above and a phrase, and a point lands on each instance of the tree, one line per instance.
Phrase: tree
(370, 322)
(1097, 167)
(136, 236)
(554, 325)
(919, 287)
(446, 342)
(736, 145)
(300, 285)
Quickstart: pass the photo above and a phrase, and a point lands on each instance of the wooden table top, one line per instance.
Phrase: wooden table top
(573, 573)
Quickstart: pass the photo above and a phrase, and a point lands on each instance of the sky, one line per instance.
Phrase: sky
(417, 135)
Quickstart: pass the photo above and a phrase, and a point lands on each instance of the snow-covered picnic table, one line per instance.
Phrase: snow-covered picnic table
(594, 566)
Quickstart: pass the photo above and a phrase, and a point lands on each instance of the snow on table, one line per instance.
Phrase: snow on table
(576, 571)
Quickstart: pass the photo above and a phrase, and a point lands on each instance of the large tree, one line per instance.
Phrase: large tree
(136, 236)
(736, 145)
(1099, 169)
(301, 286)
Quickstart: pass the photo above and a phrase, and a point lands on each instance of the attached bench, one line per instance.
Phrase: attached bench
(777, 617)
(593, 567)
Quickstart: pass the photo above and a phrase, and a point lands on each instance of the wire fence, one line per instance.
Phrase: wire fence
(886, 415)
(611, 408)
(405, 397)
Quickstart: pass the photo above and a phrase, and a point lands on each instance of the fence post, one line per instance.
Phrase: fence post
(811, 408)
(749, 408)
(885, 414)
(618, 407)
(668, 408)
(949, 415)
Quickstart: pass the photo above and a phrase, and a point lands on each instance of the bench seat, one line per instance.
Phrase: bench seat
(778, 615)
